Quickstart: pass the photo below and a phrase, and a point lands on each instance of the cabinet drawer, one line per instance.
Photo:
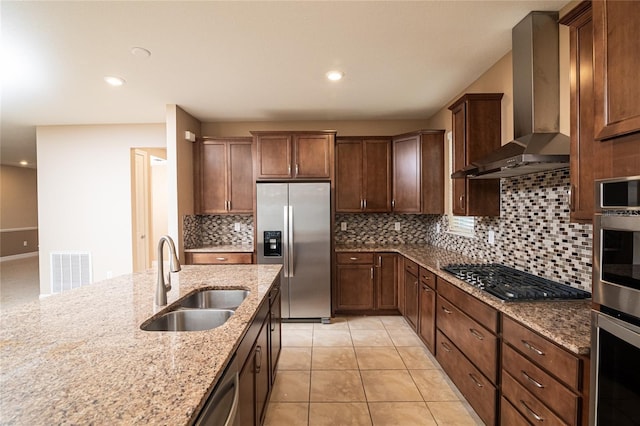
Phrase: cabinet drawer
(475, 341)
(509, 416)
(543, 352)
(479, 311)
(478, 391)
(218, 258)
(355, 258)
(541, 385)
(411, 266)
(427, 277)
(530, 407)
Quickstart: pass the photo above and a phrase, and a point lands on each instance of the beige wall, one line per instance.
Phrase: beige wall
(84, 193)
(344, 128)
(180, 166)
(18, 210)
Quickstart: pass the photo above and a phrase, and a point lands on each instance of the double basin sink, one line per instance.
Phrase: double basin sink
(202, 310)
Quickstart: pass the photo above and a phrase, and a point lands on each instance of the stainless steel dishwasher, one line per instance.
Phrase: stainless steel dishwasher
(222, 405)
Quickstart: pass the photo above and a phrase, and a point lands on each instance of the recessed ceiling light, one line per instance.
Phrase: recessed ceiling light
(114, 81)
(24, 163)
(140, 52)
(335, 75)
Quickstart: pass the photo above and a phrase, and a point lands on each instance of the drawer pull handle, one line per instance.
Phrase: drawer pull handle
(478, 384)
(446, 311)
(533, 413)
(535, 382)
(221, 259)
(446, 347)
(476, 334)
(426, 277)
(353, 258)
(426, 288)
(532, 348)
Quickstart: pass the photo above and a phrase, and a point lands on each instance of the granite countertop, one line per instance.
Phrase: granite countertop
(566, 323)
(226, 248)
(80, 357)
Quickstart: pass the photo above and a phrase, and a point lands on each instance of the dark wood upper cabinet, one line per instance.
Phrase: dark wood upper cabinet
(583, 145)
(476, 123)
(616, 26)
(363, 174)
(223, 176)
(294, 155)
(418, 172)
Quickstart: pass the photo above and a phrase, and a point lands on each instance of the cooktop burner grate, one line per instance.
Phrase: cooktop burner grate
(510, 284)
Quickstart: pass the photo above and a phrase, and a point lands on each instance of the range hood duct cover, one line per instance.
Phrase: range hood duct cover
(538, 144)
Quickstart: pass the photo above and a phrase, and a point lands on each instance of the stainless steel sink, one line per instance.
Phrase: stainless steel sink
(188, 320)
(214, 299)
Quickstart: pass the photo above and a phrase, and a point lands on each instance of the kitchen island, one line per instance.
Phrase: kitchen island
(80, 357)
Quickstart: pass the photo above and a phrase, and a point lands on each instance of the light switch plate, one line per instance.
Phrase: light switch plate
(397, 226)
(236, 227)
(343, 226)
(491, 237)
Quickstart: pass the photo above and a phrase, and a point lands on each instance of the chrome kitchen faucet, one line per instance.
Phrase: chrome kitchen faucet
(174, 266)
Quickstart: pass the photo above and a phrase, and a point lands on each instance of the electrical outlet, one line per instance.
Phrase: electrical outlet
(343, 226)
(491, 237)
(397, 226)
(437, 228)
(236, 227)
(24, 243)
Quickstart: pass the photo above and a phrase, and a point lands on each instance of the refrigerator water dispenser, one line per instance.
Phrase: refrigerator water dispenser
(272, 243)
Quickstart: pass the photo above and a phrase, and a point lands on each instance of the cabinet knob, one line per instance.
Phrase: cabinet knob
(296, 170)
(258, 359)
(461, 201)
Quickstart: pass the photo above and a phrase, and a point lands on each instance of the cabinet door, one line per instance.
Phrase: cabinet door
(401, 299)
(411, 298)
(355, 287)
(273, 157)
(582, 165)
(376, 175)
(240, 178)
(213, 177)
(275, 336)
(247, 397)
(312, 156)
(616, 60)
(263, 383)
(427, 311)
(406, 175)
(433, 173)
(386, 281)
(349, 165)
(459, 186)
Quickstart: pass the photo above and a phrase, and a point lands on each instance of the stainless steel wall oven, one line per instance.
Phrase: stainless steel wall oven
(615, 347)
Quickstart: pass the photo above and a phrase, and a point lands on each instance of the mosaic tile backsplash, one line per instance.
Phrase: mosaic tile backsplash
(211, 230)
(533, 232)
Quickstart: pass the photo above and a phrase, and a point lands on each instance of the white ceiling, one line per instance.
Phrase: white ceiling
(242, 60)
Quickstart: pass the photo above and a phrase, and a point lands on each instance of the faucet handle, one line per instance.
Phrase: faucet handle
(168, 281)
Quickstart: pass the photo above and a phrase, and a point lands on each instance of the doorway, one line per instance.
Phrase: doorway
(148, 204)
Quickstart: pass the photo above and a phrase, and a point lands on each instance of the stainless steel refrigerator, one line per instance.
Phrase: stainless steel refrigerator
(294, 229)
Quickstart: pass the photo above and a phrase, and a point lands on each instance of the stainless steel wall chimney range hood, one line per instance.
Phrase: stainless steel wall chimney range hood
(538, 144)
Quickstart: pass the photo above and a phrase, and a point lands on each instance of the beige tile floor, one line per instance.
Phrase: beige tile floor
(362, 371)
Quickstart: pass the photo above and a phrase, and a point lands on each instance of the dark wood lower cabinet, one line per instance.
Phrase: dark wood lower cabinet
(386, 273)
(354, 287)
(411, 298)
(255, 383)
(427, 326)
(477, 389)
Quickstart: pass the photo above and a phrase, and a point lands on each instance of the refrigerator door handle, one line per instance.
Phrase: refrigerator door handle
(285, 242)
(291, 243)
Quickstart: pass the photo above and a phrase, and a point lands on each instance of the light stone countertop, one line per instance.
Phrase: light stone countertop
(226, 248)
(566, 323)
(80, 357)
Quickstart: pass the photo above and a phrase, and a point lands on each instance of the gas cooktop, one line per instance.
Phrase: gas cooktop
(512, 285)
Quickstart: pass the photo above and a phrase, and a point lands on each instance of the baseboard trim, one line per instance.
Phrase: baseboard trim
(18, 256)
